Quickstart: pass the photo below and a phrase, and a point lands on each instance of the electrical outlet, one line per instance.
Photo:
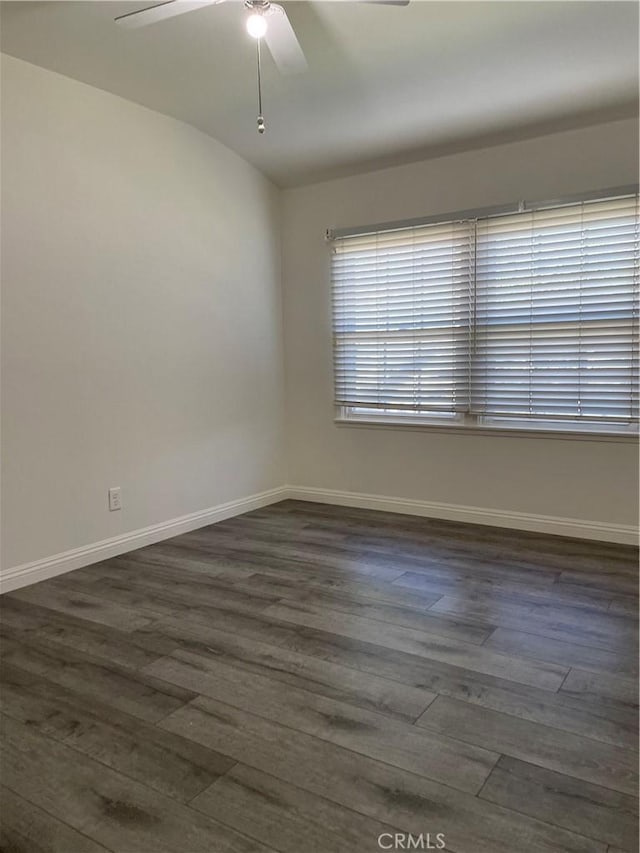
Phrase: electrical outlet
(115, 501)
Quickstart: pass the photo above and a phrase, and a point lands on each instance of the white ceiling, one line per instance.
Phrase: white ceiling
(385, 85)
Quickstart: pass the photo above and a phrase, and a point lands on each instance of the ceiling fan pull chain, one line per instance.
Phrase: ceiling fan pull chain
(261, 125)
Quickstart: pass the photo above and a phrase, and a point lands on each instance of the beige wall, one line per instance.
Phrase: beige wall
(142, 339)
(141, 312)
(588, 480)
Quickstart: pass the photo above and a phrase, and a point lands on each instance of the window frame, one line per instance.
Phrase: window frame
(467, 422)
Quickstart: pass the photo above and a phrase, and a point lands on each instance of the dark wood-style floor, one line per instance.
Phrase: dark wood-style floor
(305, 678)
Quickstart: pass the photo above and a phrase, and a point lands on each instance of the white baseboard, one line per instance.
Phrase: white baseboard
(574, 527)
(49, 567)
(40, 570)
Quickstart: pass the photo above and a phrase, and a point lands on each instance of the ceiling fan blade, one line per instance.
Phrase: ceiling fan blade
(283, 43)
(168, 9)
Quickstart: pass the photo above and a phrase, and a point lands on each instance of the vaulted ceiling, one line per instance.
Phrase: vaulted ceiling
(385, 85)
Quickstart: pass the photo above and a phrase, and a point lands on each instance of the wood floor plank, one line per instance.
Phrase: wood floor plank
(625, 605)
(132, 597)
(613, 689)
(25, 828)
(626, 584)
(224, 561)
(263, 556)
(288, 584)
(439, 564)
(173, 591)
(440, 581)
(162, 761)
(615, 726)
(118, 593)
(554, 595)
(168, 559)
(320, 634)
(407, 617)
(587, 809)
(601, 630)
(537, 674)
(269, 530)
(169, 556)
(367, 786)
(35, 623)
(81, 604)
(450, 538)
(412, 587)
(181, 577)
(127, 690)
(526, 645)
(467, 539)
(593, 718)
(395, 742)
(544, 746)
(316, 675)
(454, 570)
(433, 562)
(286, 817)
(466, 547)
(113, 810)
(506, 591)
(460, 551)
(198, 604)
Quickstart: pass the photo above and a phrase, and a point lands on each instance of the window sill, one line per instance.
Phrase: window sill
(490, 429)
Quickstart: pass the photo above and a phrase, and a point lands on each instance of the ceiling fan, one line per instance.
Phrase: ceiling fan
(265, 20)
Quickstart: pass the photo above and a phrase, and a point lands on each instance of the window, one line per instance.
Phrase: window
(527, 319)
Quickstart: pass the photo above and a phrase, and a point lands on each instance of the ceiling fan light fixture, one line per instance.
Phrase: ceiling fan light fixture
(256, 25)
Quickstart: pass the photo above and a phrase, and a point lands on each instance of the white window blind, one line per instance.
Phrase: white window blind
(529, 317)
(401, 318)
(556, 331)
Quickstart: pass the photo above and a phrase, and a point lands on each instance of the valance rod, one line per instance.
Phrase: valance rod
(480, 213)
